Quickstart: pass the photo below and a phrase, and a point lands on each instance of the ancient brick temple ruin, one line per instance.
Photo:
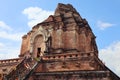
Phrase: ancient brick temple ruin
(62, 47)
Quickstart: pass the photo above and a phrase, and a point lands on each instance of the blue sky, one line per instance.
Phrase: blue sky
(18, 16)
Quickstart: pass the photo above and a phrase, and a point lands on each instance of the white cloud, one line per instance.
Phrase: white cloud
(1, 45)
(103, 25)
(9, 49)
(11, 36)
(36, 15)
(4, 26)
(7, 32)
(111, 56)
(8, 52)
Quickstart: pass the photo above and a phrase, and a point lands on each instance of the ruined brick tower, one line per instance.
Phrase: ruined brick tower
(62, 47)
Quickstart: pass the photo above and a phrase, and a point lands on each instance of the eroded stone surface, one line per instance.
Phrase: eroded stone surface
(65, 48)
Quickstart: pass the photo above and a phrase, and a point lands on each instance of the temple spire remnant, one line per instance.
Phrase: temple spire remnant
(68, 48)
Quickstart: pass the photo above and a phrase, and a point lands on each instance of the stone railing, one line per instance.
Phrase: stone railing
(70, 55)
(9, 61)
(21, 70)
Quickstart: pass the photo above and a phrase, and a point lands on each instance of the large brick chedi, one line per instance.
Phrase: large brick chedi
(62, 47)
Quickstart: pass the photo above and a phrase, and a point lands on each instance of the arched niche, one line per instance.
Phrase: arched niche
(38, 42)
(38, 46)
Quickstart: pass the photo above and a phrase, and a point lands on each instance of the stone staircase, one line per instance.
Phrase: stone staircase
(22, 69)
